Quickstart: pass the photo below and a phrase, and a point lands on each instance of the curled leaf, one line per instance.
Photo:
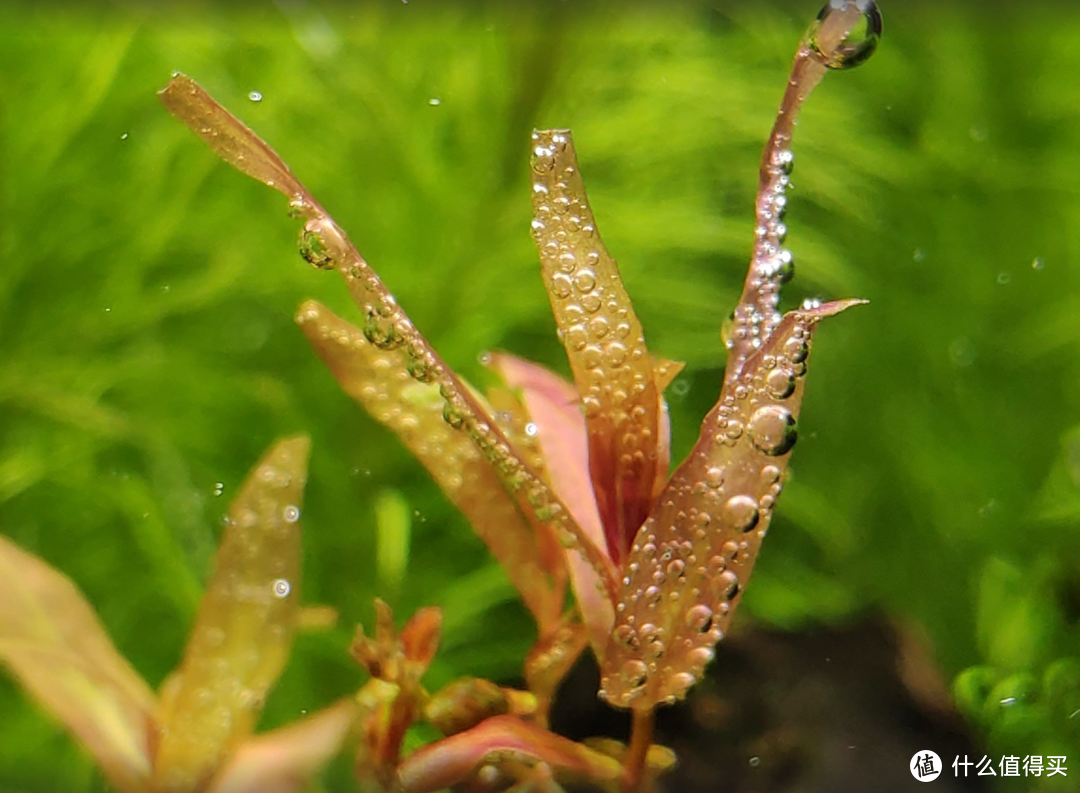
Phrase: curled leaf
(464, 703)
(52, 640)
(244, 629)
(690, 562)
(772, 265)
(454, 759)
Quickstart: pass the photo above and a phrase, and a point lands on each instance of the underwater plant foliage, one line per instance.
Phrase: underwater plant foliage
(150, 355)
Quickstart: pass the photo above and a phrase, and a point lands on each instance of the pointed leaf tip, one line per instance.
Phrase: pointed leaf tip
(691, 561)
(227, 136)
(604, 342)
(244, 629)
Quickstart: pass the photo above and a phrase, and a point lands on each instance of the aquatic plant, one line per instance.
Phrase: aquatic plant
(196, 733)
(568, 484)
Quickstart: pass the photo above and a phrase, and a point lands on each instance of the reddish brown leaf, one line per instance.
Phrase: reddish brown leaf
(690, 562)
(414, 412)
(452, 760)
(552, 405)
(604, 342)
(230, 139)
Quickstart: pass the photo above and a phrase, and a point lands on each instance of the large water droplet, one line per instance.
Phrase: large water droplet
(772, 429)
(741, 512)
(854, 47)
(313, 250)
(322, 243)
(780, 383)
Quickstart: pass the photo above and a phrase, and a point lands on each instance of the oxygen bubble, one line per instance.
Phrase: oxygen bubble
(634, 673)
(313, 248)
(772, 430)
(780, 383)
(770, 474)
(742, 512)
(727, 584)
(796, 350)
(560, 286)
(291, 513)
(626, 636)
(857, 45)
(699, 618)
(700, 656)
(255, 96)
(585, 280)
(281, 588)
(784, 160)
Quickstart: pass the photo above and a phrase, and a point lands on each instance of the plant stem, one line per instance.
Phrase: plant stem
(641, 732)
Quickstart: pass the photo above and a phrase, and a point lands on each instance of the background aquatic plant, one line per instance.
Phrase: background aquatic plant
(139, 373)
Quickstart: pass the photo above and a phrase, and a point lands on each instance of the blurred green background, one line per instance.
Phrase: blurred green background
(148, 354)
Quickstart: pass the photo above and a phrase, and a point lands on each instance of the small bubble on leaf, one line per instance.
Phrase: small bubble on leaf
(255, 96)
(281, 588)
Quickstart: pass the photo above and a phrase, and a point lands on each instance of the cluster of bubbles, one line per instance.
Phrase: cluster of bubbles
(603, 338)
(689, 563)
